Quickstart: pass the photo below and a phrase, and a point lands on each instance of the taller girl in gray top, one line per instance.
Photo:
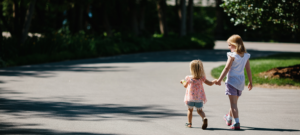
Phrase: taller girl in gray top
(238, 59)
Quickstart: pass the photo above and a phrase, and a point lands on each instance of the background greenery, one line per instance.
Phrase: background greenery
(65, 47)
(73, 29)
(258, 13)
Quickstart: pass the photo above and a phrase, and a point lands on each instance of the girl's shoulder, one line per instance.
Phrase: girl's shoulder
(248, 55)
(191, 78)
(232, 54)
(188, 77)
(235, 55)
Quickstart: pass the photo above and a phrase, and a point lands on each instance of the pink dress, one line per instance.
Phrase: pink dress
(194, 91)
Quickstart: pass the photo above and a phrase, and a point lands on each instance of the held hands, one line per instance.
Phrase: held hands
(217, 82)
(214, 81)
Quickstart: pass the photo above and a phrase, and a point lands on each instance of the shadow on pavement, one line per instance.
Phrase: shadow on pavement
(10, 128)
(244, 128)
(46, 70)
(225, 129)
(76, 111)
(270, 129)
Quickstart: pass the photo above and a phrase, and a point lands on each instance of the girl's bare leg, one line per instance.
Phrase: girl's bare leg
(201, 113)
(230, 112)
(190, 115)
(233, 106)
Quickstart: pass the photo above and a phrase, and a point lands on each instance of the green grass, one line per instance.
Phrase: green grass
(263, 64)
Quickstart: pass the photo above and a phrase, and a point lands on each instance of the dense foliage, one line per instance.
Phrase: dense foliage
(59, 46)
(73, 29)
(93, 28)
(261, 13)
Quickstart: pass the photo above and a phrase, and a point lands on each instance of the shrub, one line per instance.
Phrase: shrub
(58, 47)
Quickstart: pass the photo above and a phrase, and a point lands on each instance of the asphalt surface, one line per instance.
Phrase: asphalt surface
(138, 94)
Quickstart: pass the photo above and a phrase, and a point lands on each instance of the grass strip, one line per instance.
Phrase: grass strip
(263, 64)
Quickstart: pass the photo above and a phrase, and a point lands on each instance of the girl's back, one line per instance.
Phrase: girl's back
(235, 76)
(195, 91)
(238, 65)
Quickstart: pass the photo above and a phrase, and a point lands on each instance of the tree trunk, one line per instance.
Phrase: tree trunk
(73, 21)
(142, 15)
(59, 18)
(1, 37)
(220, 26)
(134, 22)
(40, 14)
(86, 22)
(191, 14)
(27, 21)
(16, 16)
(178, 11)
(177, 3)
(4, 21)
(80, 18)
(120, 14)
(161, 8)
(105, 18)
(92, 21)
(22, 14)
(182, 17)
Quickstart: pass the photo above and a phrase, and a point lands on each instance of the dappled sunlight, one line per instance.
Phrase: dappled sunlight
(77, 111)
(47, 70)
(16, 128)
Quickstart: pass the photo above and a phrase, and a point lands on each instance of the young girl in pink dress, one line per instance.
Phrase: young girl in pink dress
(195, 95)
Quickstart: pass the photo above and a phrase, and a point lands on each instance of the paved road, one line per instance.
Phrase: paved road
(137, 94)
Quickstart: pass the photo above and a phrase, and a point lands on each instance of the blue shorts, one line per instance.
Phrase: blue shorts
(198, 105)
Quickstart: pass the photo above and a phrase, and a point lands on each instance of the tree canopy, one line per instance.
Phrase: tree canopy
(259, 13)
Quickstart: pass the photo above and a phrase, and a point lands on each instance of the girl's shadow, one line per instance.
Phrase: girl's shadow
(243, 128)
(225, 129)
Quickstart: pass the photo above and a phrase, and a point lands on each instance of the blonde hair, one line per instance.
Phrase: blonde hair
(237, 41)
(197, 69)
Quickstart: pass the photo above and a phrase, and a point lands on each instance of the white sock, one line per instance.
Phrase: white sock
(237, 120)
(229, 117)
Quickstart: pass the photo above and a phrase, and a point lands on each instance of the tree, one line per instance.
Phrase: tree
(133, 14)
(182, 17)
(191, 13)
(1, 37)
(258, 13)
(161, 8)
(107, 25)
(143, 5)
(220, 17)
(27, 21)
(5, 20)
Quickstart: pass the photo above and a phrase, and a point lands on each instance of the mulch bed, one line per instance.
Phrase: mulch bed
(291, 72)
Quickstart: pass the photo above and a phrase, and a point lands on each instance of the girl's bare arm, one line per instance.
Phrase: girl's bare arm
(248, 70)
(225, 70)
(208, 82)
(185, 84)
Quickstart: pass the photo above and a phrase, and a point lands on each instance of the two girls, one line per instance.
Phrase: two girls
(238, 59)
